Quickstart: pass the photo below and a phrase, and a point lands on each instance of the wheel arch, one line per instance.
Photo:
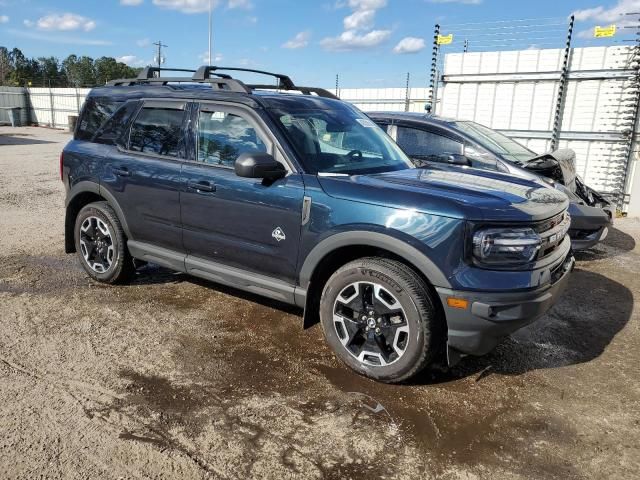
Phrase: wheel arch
(81, 194)
(341, 248)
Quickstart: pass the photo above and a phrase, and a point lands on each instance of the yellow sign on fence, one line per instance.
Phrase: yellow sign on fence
(601, 32)
(445, 39)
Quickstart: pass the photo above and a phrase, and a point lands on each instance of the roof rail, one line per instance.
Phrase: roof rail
(221, 81)
(150, 72)
(204, 72)
(227, 84)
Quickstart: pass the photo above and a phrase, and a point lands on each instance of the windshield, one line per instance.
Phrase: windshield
(496, 142)
(341, 141)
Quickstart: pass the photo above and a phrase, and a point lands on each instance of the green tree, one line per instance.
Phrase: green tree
(79, 71)
(5, 65)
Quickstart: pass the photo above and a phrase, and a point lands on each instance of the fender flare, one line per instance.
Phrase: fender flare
(93, 187)
(373, 239)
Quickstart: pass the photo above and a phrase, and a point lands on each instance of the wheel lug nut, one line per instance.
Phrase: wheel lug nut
(377, 330)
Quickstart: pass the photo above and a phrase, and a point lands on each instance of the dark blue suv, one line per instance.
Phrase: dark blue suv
(290, 193)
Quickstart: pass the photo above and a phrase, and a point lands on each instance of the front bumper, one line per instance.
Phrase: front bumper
(589, 225)
(490, 316)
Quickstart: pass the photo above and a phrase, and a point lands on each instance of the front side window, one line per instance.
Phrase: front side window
(426, 145)
(158, 130)
(223, 137)
(340, 141)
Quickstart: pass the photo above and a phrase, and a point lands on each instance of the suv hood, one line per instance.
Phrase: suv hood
(458, 192)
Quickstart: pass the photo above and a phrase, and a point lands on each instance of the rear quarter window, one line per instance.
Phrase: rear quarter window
(96, 111)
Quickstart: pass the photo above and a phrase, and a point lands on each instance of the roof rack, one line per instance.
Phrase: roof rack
(222, 81)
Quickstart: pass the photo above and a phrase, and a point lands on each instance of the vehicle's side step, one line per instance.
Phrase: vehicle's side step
(216, 272)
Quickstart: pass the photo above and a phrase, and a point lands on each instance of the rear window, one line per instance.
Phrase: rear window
(96, 111)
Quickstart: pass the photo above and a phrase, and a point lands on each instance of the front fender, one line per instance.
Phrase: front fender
(371, 239)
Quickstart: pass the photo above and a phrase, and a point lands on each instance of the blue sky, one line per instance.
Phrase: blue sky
(370, 43)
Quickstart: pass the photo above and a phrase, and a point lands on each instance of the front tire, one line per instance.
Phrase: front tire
(379, 317)
(101, 244)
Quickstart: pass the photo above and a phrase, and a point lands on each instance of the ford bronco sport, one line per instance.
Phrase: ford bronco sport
(290, 193)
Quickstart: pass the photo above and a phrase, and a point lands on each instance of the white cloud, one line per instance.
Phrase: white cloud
(350, 40)
(358, 27)
(200, 6)
(613, 14)
(409, 45)
(301, 40)
(4, 19)
(252, 19)
(204, 58)
(131, 3)
(360, 20)
(63, 22)
(244, 4)
(367, 4)
(464, 2)
(143, 42)
(186, 6)
(133, 61)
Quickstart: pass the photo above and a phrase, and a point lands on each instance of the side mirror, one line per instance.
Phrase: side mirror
(259, 165)
(454, 159)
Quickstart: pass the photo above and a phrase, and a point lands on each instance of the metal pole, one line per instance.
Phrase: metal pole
(562, 89)
(337, 85)
(53, 113)
(626, 187)
(429, 107)
(160, 45)
(407, 95)
(466, 46)
(210, 32)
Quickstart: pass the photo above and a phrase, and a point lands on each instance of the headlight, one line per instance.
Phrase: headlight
(519, 246)
(506, 246)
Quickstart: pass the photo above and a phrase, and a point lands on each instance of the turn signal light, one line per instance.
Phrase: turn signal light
(460, 303)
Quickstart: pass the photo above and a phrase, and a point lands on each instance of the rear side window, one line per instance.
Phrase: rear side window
(113, 129)
(422, 144)
(158, 130)
(96, 111)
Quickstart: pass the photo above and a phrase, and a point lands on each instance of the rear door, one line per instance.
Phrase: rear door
(144, 174)
(239, 222)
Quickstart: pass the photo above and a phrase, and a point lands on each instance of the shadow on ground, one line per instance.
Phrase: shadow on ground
(20, 139)
(616, 243)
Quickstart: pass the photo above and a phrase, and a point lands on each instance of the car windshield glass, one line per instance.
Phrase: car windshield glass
(496, 142)
(341, 141)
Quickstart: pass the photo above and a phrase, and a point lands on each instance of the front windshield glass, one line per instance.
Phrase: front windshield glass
(341, 141)
(496, 142)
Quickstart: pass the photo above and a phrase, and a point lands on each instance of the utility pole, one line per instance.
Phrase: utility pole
(159, 45)
(210, 32)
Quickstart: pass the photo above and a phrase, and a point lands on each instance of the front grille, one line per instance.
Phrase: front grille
(552, 232)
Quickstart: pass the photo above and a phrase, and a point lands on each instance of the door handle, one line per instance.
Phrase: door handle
(202, 186)
(121, 171)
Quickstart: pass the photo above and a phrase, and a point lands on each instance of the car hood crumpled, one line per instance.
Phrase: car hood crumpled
(559, 165)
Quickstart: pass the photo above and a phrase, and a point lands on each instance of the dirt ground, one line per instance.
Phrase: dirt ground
(174, 377)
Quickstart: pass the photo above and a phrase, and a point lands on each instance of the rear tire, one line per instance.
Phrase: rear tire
(102, 245)
(379, 317)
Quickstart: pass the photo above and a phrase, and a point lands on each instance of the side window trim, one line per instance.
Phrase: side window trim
(154, 103)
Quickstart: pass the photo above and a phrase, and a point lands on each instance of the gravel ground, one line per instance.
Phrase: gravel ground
(174, 377)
